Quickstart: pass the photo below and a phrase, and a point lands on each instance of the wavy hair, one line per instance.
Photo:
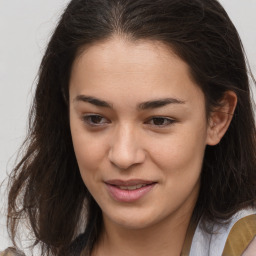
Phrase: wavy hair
(46, 187)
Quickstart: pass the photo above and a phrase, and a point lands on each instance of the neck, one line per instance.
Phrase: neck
(163, 239)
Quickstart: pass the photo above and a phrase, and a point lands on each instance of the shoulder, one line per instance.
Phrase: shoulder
(241, 235)
(11, 252)
(231, 239)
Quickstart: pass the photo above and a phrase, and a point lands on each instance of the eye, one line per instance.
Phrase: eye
(160, 121)
(94, 120)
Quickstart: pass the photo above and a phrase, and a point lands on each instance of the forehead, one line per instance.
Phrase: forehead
(121, 67)
(124, 55)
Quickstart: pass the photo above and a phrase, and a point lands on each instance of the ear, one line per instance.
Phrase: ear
(220, 118)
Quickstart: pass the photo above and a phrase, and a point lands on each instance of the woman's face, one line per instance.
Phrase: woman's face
(139, 131)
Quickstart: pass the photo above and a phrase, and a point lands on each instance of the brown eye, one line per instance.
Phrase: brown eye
(95, 120)
(160, 121)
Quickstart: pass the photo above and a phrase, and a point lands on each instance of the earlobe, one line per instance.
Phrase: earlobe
(220, 118)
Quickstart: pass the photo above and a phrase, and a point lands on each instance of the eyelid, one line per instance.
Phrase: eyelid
(170, 121)
(86, 119)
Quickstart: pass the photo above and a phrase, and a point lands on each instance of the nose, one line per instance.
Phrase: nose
(125, 150)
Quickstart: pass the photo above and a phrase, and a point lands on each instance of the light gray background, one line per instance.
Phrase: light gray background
(25, 27)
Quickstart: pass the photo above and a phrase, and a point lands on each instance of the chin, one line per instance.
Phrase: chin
(134, 219)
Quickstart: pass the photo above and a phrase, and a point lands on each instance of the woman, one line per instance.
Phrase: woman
(142, 135)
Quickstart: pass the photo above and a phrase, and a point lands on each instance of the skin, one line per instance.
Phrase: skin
(124, 142)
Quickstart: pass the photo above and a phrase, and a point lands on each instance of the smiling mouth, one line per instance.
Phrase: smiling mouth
(129, 191)
(129, 184)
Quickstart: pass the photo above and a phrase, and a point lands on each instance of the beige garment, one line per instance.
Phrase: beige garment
(241, 240)
(241, 236)
(11, 252)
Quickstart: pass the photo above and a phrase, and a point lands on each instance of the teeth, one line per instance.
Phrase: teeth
(132, 187)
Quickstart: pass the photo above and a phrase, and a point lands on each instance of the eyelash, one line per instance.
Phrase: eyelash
(88, 119)
(166, 120)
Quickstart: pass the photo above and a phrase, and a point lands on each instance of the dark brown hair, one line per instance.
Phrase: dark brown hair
(46, 187)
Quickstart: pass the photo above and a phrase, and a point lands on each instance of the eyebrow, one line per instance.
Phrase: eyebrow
(157, 103)
(93, 101)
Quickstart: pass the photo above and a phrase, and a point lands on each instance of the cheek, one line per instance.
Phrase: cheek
(182, 151)
(89, 150)
(180, 160)
(89, 156)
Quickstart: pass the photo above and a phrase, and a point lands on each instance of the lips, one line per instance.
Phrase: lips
(130, 190)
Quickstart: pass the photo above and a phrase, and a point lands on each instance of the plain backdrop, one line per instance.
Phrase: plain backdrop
(25, 28)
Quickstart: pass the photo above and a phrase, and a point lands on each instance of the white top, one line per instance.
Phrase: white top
(205, 244)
